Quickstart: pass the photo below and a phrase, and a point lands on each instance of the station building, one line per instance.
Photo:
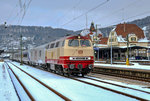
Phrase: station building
(120, 35)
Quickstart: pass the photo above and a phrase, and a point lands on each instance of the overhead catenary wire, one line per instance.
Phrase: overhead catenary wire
(99, 5)
(25, 9)
(61, 17)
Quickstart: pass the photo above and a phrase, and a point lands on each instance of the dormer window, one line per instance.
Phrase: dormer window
(133, 38)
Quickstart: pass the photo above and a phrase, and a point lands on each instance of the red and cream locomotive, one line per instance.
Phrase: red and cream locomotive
(69, 55)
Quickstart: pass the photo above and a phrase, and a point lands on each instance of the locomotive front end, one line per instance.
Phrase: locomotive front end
(78, 53)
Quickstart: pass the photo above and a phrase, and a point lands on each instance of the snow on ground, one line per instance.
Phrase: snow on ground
(125, 90)
(7, 91)
(39, 92)
(72, 89)
(19, 89)
(135, 66)
(140, 87)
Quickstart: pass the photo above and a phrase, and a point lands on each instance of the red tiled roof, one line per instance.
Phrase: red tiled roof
(103, 40)
(124, 29)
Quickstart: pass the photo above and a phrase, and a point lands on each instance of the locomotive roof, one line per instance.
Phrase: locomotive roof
(63, 38)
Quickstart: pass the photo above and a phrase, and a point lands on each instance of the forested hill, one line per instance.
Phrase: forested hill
(37, 35)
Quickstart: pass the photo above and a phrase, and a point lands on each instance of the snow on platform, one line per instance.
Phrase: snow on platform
(135, 66)
(72, 89)
(7, 91)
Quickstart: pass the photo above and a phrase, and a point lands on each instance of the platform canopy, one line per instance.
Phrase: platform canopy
(121, 47)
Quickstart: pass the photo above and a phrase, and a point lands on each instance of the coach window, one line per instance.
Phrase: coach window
(25, 55)
(57, 44)
(52, 45)
(40, 53)
(31, 54)
(73, 42)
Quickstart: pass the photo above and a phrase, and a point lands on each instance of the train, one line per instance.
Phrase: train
(71, 55)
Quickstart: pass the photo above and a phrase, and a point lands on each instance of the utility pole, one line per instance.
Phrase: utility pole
(111, 48)
(86, 22)
(21, 49)
(127, 60)
(96, 42)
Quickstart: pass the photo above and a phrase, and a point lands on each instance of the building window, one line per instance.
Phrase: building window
(112, 40)
(112, 33)
(133, 38)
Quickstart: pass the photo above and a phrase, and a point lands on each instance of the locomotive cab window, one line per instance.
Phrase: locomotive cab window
(85, 43)
(73, 42)
(63, 43)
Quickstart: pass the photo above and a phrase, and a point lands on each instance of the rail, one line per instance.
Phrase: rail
(57, 93)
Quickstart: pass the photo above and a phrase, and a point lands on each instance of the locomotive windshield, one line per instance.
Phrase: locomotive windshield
(85, 43)
(73, 42)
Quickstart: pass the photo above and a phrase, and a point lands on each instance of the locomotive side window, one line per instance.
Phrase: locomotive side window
(73, 42)
(85, 43)
(63, 43)
(52, 45)
(57, 44)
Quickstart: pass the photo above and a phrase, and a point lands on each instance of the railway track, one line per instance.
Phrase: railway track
(113, 90)
(123, 73)
(26, 90)
(106, 88)
(95, 79)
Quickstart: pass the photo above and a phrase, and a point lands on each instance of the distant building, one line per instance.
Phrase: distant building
(138, 42)
(92, 33)
(139, 45)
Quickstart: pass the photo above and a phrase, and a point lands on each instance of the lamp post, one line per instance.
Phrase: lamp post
(97, 41)
(127, 60)
(111, 48)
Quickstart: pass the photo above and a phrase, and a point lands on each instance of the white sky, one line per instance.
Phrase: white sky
(56, 13)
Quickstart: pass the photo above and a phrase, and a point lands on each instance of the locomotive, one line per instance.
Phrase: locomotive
(69, 55)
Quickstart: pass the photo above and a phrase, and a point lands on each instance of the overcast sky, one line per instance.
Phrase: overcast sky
(66, 13)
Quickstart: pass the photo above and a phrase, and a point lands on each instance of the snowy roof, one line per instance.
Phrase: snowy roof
(85, 32)
(144, 40)
(120, 39)
(125, 29)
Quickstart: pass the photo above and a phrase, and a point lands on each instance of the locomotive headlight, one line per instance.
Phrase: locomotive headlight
(89, 58)
(70, 58)
(78, 37)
